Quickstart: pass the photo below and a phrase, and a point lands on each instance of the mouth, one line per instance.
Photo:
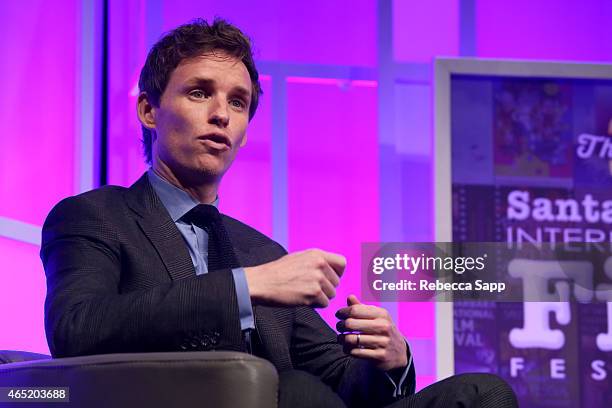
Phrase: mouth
(216, 141)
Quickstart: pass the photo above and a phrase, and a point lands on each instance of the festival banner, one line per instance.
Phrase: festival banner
(532, 164)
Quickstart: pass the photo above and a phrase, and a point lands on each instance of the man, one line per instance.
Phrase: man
(156, 268)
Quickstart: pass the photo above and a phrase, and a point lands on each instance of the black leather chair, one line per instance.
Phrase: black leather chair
(216, 379)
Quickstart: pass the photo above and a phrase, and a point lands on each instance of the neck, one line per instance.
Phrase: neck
(204, 192)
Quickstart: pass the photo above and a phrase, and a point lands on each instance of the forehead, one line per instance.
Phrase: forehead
(219, 67)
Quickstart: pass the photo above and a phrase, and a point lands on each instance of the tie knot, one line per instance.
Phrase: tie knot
(203, 215)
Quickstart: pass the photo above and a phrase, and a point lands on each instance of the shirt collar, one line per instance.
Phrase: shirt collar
(178, 202)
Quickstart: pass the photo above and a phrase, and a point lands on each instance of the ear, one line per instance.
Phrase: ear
(146, 111)
(244, 140)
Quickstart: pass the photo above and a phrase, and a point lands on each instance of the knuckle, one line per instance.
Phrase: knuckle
(314, 252)
(385, 326)
(312, 292)
(320, 277)
(318, 263)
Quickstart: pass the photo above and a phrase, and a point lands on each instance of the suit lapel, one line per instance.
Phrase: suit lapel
(168, 242)
(155, 222)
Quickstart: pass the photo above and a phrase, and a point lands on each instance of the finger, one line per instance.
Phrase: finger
(370, 341)
(320, 301)
(328, 288)
(368, 354)
(346, 347)
(336, 261)
(352, 300)
(346, 344)
(330, 274)
(361, 311)
(343, 313)
(368, 326)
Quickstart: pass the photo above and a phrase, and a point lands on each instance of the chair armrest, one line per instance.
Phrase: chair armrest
(185, 379)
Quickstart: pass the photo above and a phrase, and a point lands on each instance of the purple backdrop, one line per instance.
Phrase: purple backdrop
(343, 132)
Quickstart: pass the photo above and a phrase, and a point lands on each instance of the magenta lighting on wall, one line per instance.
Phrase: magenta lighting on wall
(46, 147)
(333, 172)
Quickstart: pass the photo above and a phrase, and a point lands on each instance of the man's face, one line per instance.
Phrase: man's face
(202, 117)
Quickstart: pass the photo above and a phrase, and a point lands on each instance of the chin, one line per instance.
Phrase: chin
(208, 172)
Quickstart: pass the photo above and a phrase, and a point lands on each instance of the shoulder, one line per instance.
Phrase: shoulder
(248, 237)
(90, 209)
(100, 198)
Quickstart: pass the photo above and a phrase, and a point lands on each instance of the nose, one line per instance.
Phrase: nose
(219, 113)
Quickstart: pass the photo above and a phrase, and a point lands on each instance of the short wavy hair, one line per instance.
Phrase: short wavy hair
(189, 41)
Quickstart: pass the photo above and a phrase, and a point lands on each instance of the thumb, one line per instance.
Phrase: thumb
(352, 300)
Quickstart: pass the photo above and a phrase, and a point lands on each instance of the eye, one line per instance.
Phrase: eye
(238, 103)
(198, 94)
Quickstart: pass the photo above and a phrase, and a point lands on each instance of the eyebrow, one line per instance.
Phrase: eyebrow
(200, 81)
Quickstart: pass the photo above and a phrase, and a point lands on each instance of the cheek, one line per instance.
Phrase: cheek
(240, 129)
(180, 118)
(177, 130)
(183, 123)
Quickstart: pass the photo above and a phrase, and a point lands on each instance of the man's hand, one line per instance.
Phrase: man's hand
(368, 332)
(307, 278)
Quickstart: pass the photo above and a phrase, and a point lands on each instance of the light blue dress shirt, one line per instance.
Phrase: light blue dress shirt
(179, 203)
(398, 386)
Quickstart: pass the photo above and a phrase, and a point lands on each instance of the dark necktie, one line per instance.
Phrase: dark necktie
(221, 253)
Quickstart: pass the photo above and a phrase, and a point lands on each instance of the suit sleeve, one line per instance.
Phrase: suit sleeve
(86, 313)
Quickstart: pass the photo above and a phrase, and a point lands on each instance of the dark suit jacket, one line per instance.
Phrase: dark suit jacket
(120, 279)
